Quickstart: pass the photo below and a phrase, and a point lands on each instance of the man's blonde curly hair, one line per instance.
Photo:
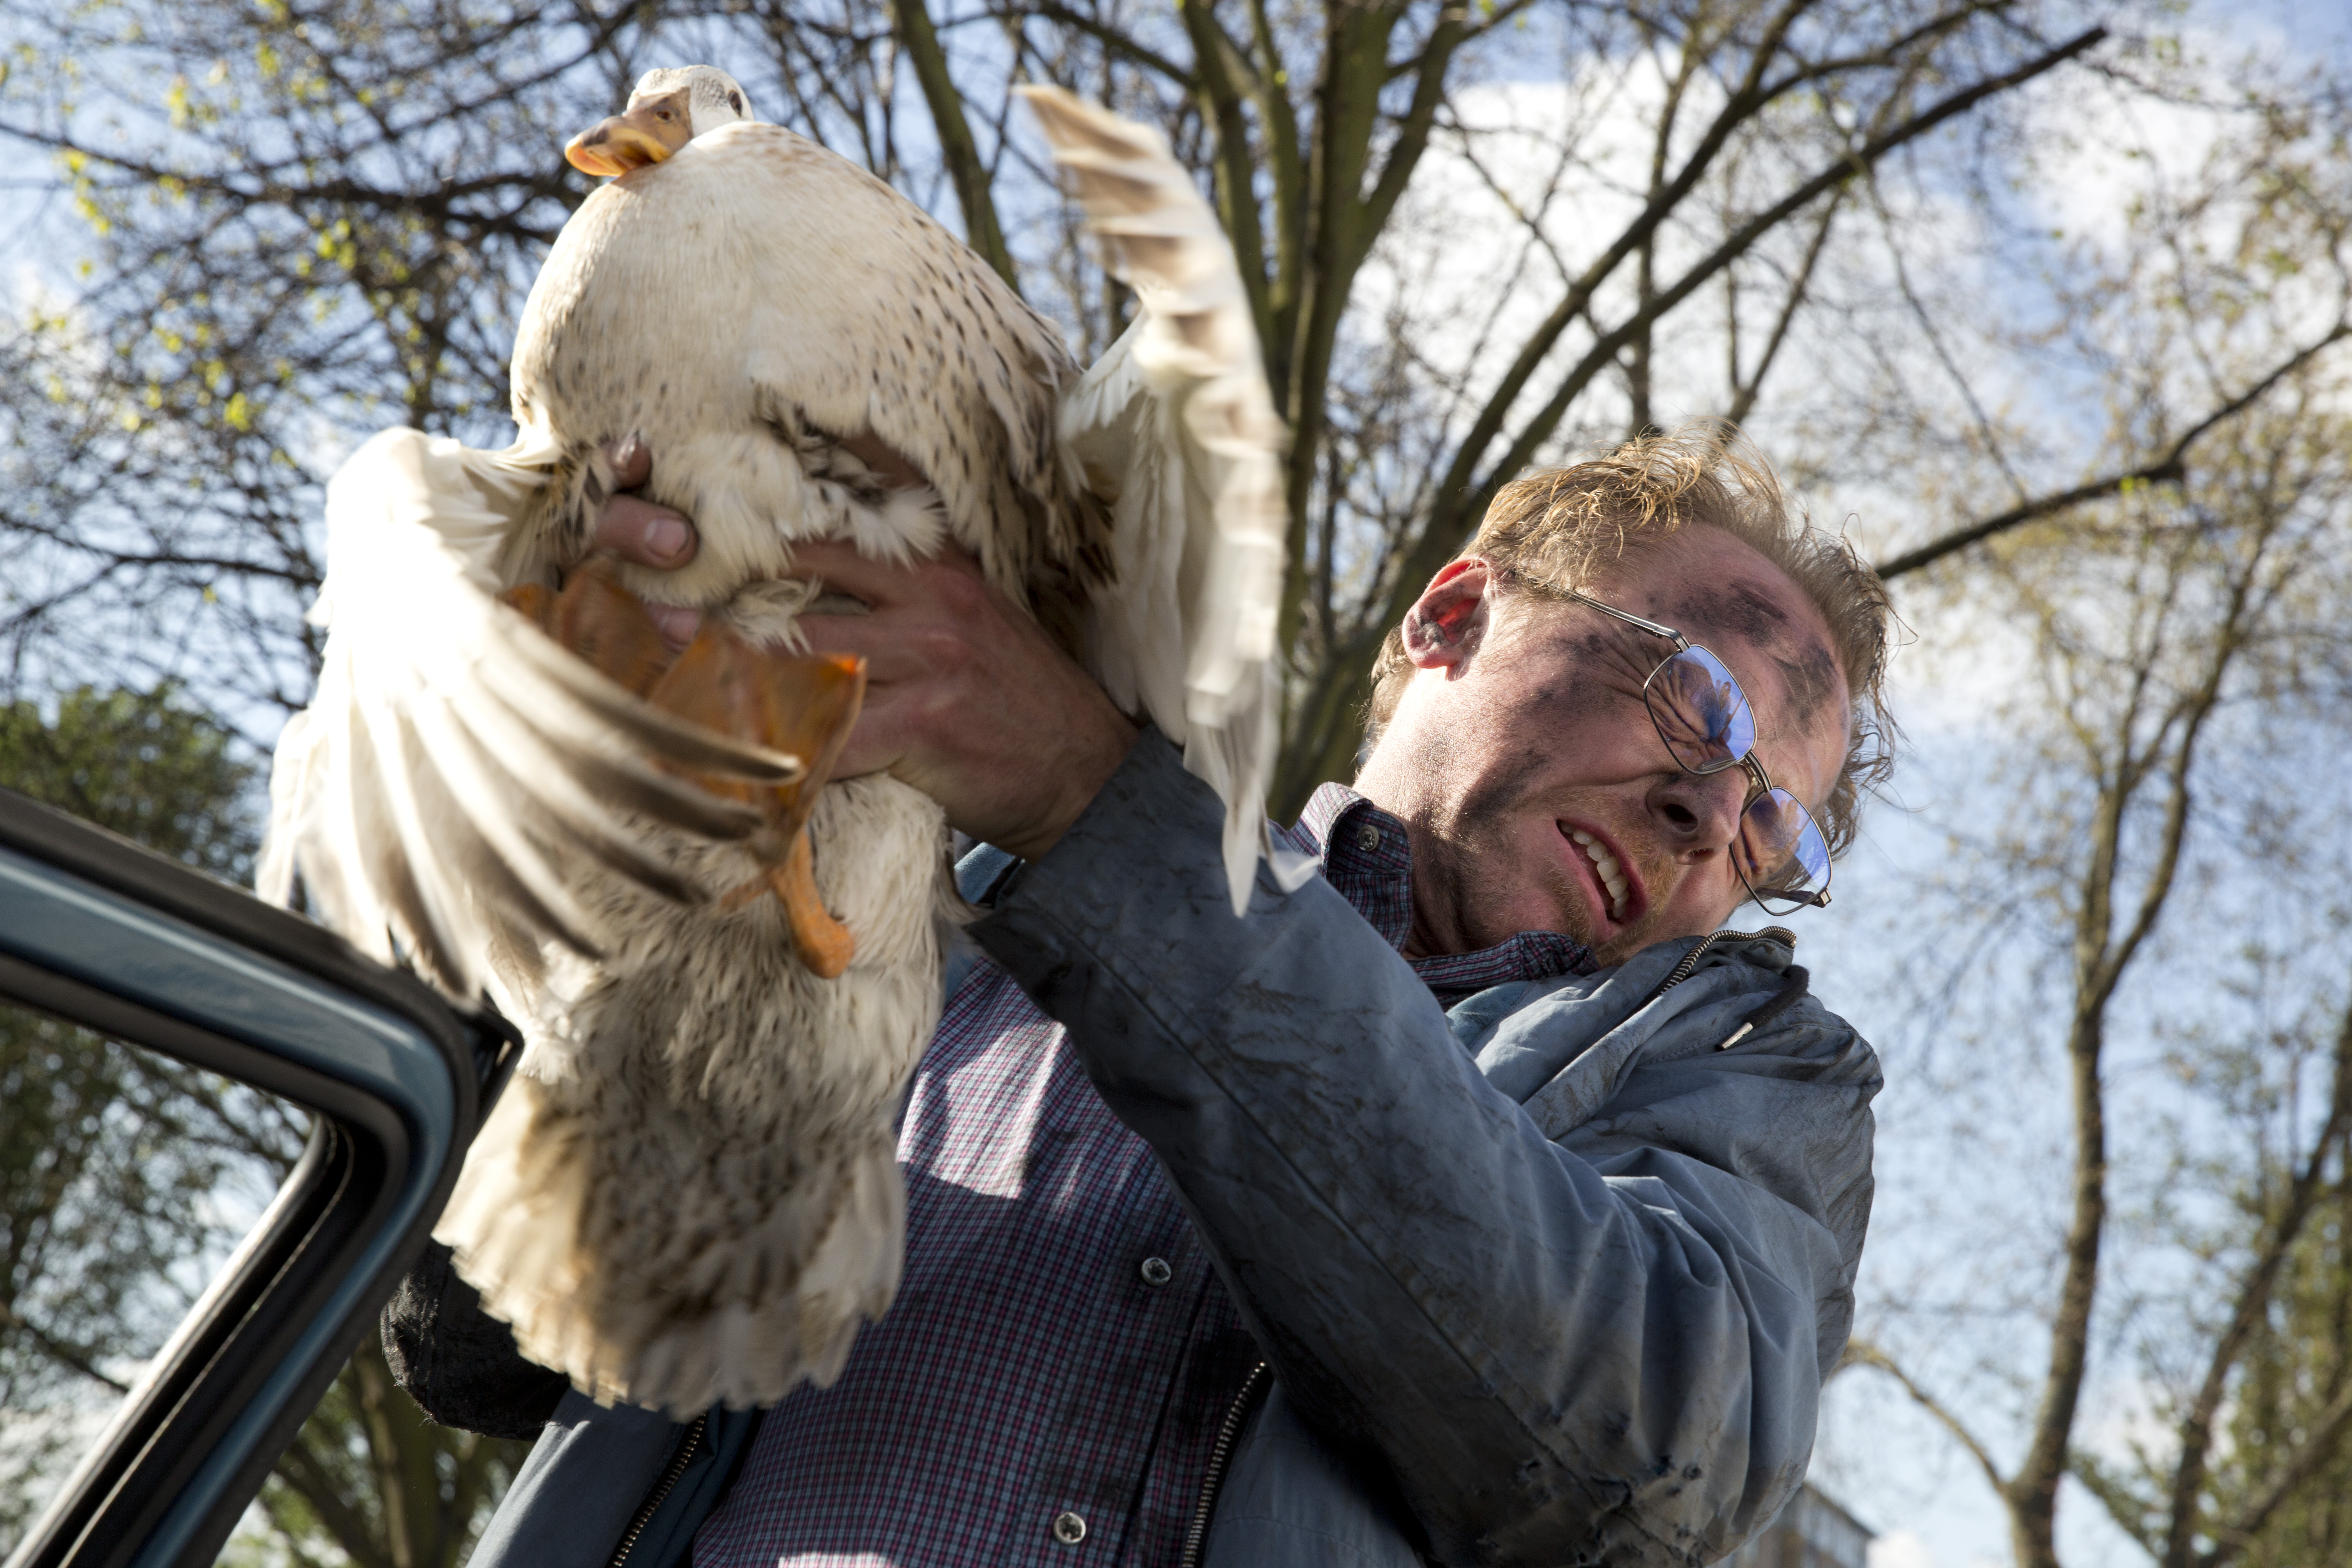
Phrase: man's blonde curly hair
(1564, 528)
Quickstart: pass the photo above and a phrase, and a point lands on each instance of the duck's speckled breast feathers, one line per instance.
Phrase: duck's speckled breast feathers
(755, 296)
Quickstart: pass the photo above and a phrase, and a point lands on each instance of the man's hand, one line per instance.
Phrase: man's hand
(966, 698)
(636, 530)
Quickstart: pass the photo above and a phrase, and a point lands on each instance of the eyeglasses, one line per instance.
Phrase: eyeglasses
(1706, 721)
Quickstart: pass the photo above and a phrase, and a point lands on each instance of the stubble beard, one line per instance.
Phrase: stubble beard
(1470, 853)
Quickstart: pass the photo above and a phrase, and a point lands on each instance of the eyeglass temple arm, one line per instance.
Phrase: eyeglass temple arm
(1630, 619)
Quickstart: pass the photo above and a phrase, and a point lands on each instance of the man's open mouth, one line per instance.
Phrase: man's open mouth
(1614, 879)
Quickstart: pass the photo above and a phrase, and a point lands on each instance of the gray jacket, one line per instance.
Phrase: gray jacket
(1552, 1278)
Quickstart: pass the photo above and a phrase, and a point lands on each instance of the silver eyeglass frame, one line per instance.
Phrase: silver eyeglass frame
(1757, 776)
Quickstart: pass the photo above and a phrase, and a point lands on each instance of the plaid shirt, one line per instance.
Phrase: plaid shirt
(1049, 1383)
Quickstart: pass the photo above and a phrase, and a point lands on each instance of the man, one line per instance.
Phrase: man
(1538, 1198)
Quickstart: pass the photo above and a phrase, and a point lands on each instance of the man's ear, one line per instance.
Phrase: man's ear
(1449, 620)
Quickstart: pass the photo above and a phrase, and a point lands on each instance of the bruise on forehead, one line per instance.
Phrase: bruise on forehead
(1750, 610)
(1741, 605)
(1812, 677)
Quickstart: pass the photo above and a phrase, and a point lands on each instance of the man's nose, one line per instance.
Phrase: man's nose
(1700, 811)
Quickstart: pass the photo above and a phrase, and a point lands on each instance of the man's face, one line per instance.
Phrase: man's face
(1523, 727)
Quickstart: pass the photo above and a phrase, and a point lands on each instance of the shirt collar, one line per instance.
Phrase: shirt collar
(1367, 857)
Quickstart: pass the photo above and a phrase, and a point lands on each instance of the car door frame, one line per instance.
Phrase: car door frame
(103, 933)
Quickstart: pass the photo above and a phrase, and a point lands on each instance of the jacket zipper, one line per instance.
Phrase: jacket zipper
(1682, 970)
(669, 1483)
(1196, 1534)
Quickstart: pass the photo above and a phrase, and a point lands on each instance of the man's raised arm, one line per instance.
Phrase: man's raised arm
(1608, 1347)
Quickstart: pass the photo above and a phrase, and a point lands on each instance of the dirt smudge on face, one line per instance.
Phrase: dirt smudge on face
(1812, 679)
(1454, 862)
(1491, 774)
(1751, 611)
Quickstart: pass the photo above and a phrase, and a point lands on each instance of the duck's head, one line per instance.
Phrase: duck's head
(668, 108)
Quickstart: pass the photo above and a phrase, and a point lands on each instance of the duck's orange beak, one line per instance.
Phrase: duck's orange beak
(649, 132)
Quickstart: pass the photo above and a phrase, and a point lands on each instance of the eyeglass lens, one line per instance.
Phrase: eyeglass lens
(1700, 711)
(1782, 852)
(1705, 720)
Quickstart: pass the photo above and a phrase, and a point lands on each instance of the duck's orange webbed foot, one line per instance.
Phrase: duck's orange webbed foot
(800, 705)
(803, 705)
(601, 622)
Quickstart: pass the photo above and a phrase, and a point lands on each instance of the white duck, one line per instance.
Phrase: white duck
(690, 1192)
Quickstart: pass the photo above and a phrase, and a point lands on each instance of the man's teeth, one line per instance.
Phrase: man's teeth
(1613, 876)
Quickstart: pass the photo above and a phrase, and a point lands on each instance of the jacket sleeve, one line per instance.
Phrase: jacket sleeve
(459, 1363)
(1590, 1327)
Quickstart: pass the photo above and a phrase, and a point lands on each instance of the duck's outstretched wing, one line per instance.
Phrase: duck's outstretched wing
(457, 770)
(1176, 428)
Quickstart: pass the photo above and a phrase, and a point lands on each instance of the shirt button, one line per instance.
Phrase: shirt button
(1068, 1528)
(1155, 1271)
(1367, 838)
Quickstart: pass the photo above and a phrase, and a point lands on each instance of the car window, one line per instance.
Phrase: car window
(127, 1181)
(224, 1136)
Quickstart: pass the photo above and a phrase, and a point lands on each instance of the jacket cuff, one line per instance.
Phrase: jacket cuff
(1145, 855)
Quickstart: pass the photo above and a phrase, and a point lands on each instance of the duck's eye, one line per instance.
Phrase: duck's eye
(735, 102)
(663, 114)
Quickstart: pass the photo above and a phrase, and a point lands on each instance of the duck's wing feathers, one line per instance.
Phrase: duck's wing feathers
(455, 761)
(1176, 428)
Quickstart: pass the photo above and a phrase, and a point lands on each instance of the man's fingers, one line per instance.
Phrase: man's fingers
(892, 467)
(838, 565)
(888, 659)
(678, 622)
(876, 742)
(633, 462)
(634, 528)
(649, 535)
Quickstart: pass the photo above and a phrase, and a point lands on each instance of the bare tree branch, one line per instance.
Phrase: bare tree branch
(1863, 1352)
(966, 170)
(1745, 393)
(1459, 501)
(1120, 42)
(1453, 499)
(2170, 469)
(1540, 430)
(65, 1354)
(2177, 1549)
